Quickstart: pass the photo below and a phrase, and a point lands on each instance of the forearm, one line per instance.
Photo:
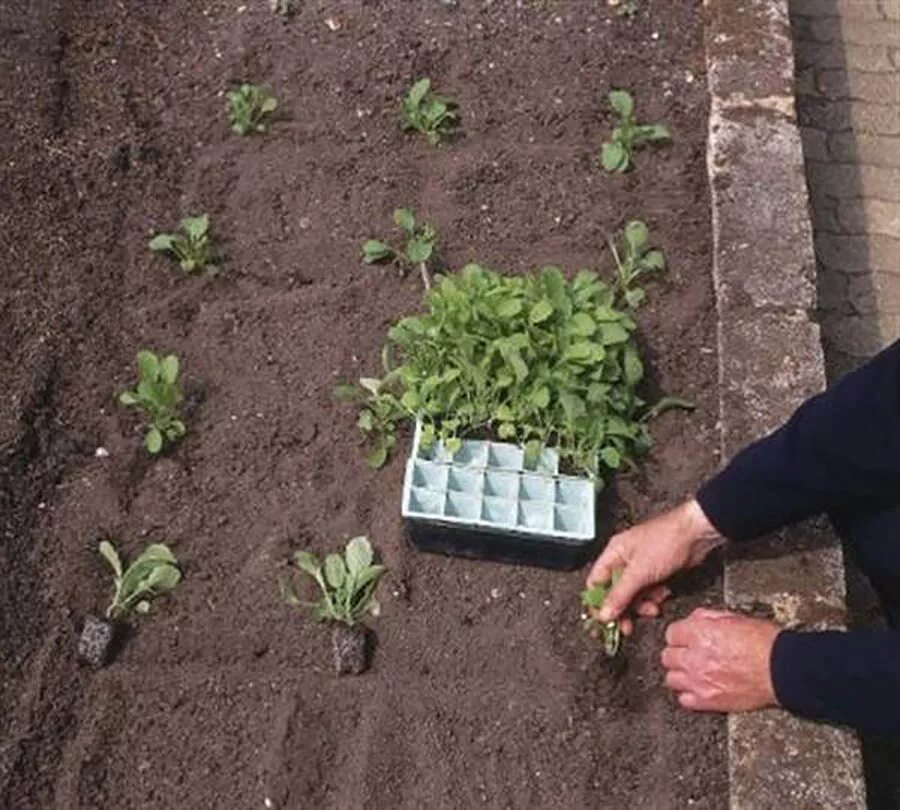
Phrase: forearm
(848, 678)
(840, 449)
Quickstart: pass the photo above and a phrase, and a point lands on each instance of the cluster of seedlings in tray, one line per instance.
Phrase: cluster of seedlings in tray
(539, 360)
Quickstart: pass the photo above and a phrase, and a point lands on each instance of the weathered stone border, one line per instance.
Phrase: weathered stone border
(770, 359)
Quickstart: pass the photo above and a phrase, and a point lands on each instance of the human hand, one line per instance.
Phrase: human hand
(647, 555)
(718, 661)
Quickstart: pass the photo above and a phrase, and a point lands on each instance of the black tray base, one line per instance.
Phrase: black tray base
(482, 545)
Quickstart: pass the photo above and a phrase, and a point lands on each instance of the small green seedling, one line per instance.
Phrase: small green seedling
(634, 257)
(348, 584)
(616, 155)
(192, 247)
(153, 573)
(420, 242)
(426, 112)
(628, 8)
(593, 598)
(157, 394)
(249, 106)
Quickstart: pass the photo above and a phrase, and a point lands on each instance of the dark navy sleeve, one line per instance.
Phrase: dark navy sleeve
(838, 451)
(849, 678)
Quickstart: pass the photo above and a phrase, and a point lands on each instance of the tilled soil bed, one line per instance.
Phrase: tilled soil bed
(484, 690)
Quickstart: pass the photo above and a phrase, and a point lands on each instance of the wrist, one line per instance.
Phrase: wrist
(702, 537)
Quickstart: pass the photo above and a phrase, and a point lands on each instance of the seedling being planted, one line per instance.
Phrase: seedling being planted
(420, 242)
(608, 632)
(634, 258)
(347, 583)
(192, 247)
(616, 155)
(157, 394)
(426, 112)
(249, 107)
(153, 573)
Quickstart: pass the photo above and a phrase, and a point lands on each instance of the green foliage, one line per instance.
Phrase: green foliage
(537, 359)
(634, 258)
(420, 242)
(593, 598)
(157, 394)
(192, 247)
(347, 583)
(628, 8)
(153, 573)
(249, 106)
(616, 155)
(432, 115)
(286, 8)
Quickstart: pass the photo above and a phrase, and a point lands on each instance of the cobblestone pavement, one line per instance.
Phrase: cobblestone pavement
(848, 104)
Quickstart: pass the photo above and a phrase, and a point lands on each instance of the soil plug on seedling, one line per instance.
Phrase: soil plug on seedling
(153, 573)
(192, 247)
(157, 394)
(348, 585)
(249, 107)
(420, 242)
(432, 115)
(616, 155)
(608, 632)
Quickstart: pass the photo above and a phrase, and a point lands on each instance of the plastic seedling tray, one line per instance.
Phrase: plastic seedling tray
(484, 501)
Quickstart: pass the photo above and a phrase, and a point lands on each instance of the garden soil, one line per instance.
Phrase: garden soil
(484, 691)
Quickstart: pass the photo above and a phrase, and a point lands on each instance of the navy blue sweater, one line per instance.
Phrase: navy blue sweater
(839, 455)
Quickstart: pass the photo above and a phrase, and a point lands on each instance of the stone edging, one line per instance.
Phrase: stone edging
(770, 359)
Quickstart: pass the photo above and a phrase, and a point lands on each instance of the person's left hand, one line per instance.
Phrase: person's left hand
(718, 661)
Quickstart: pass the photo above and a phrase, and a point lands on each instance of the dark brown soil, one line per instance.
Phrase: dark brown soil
(483, 689)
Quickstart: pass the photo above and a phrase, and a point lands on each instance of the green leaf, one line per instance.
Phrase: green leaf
(654, 132)
(142, 607)
(148, 365)
(195, 227)
(634, 369)
(364, 422)
(506, 430)
(418, 250)
(612, 333)
(375, 251)
(542, 310)
(418, 91)
(288, 594)
(654, 260)
(162, 241)
(573, 406)
(371, 384)
(128, 398)
(636, 235)
(153, 440)
(377, 455)
(269, 105)
(306, 561)
(581, 350)
(583, 324)
(610, 457)
(168, 369)
(335, 571)
(111, 556)
(410, 400)
(405, 219)
(634, 298)
(157, 553)
(163, 578)
(614, 157)
(359, 555)
(541, 398)
(622, 103)
(509, 308)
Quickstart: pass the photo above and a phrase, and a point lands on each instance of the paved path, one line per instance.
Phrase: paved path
(848, 97)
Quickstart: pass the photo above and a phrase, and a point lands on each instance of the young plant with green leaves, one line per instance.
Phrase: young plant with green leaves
(539, 360)
(153, 573)
(628, 8)
(249, 108)
(347, 584)
(426, 112)
(617, 153)
(192, 247)
(419, 247)
(157, 395)
(286, 8)
(634, 258)
(592, 600)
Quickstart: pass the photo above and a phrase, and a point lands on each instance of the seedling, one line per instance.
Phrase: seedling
(157, 394)
(592, 599)
(426, 112)
(192, 247)
(153, 573)
(420, 242)
(616, 155)
(628, 8)
(634, 258)
(249, 107)
(348, 586)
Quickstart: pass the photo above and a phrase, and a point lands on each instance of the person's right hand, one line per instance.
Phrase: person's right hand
(647, 555)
